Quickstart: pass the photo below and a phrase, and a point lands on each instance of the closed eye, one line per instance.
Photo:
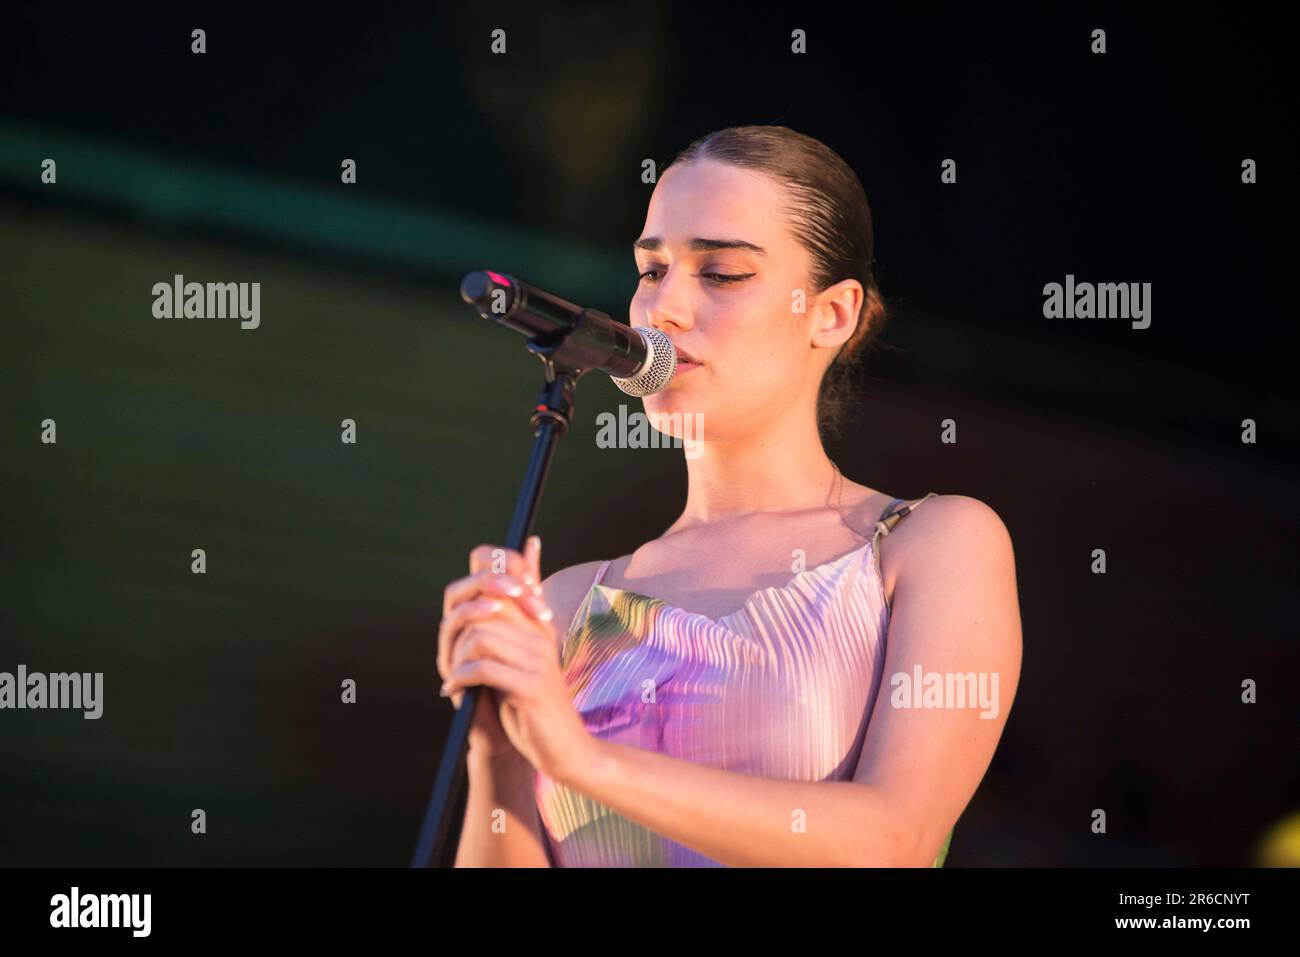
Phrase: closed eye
(719, 278)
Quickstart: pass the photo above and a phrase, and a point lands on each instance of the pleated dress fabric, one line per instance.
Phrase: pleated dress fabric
(783, 687)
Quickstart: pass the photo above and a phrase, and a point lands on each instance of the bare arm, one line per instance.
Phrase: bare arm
(747, 821)
(501, 826)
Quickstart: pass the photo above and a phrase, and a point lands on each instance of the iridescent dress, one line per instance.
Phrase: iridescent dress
(783, 687)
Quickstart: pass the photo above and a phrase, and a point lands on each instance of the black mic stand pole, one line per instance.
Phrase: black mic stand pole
(550, 419)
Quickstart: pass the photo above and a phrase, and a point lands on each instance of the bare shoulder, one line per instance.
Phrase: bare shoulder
(946, 530)
(956, 517)
(565, 590)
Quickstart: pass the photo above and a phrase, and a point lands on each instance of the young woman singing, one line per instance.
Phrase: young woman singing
(801, 670)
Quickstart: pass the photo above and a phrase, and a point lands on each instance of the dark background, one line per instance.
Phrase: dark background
(327, 561)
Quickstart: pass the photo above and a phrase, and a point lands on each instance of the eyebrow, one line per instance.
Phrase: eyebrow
(697, 245)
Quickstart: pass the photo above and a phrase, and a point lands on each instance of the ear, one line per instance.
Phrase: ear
(835, 314)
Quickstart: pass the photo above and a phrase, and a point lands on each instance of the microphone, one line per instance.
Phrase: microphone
(640, 361)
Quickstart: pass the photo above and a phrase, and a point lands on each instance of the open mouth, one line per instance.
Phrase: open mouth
(685, 359)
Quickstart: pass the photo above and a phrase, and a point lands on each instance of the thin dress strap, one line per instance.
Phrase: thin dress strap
(577, 612)
(892, 514)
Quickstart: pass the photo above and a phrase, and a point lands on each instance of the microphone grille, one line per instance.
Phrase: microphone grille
(660, 366)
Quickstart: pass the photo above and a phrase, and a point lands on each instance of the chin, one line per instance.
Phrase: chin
(670, 401)
(673, 412)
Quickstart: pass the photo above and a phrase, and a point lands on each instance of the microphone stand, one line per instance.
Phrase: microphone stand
(550, 419)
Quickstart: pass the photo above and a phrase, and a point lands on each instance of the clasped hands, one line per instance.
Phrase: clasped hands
(498, 631)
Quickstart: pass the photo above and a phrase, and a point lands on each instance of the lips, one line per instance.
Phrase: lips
(684, 357)
(683, 368)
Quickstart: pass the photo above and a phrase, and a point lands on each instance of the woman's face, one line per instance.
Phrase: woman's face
(719, 271)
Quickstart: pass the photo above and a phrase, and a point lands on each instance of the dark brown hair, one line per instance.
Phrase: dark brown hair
(828, 214)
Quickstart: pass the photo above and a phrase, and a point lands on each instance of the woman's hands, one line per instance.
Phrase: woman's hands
(498, 631)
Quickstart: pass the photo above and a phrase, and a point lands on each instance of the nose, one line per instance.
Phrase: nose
(665, 303)
(666, 311)
(657, 319)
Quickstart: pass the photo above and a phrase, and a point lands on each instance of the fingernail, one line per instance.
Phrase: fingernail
(534, 542)
(444, 692)
(514, 591)
(546, 614)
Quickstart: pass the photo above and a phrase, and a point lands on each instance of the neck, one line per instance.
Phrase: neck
(783, 467)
